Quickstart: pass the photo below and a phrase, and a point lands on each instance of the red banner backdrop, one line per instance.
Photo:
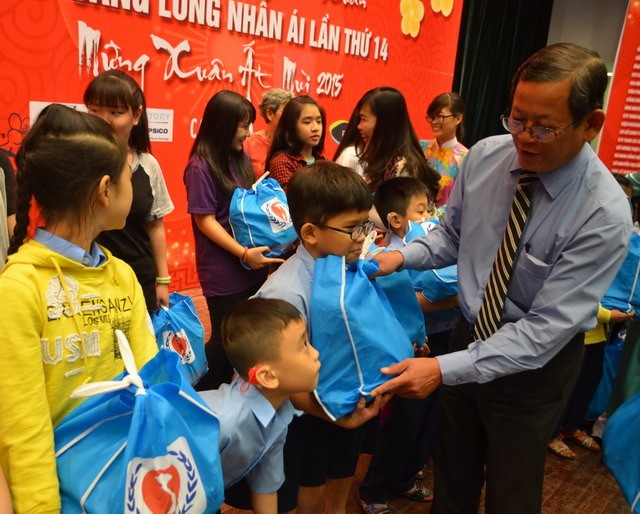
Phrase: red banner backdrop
(184, 51)
(619, 146)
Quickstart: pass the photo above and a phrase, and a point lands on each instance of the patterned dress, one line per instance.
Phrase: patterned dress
(446, 161)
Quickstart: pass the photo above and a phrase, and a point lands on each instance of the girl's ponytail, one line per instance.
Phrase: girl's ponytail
(23, 206)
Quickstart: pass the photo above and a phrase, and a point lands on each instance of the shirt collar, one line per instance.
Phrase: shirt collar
(92, 259)
(262, 408)
(556, 180)
(449, 144)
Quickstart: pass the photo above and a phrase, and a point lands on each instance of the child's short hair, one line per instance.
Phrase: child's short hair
(252, 331)
(323, 190)
(394, 195)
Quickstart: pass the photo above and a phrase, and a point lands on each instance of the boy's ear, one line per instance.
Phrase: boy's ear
(309, 233)
(102, 190)
(265, 377)
(394, 220)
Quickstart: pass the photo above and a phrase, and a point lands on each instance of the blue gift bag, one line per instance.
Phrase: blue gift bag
(145, 442)
(260, 217)
(621, 451)
(356, 332)
(600, 400)
(437, 284)
(178, 328)
(624, 292)
(419, 229)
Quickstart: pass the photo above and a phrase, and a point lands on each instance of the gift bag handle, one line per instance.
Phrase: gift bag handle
(131, 379)
(262, 177)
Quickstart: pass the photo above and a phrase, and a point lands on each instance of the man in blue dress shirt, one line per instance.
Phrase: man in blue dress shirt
(503, 395)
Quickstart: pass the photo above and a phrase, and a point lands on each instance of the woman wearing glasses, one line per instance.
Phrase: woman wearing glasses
(445, 153)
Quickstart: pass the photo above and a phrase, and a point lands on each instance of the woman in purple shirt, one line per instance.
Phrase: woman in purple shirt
(228, 272)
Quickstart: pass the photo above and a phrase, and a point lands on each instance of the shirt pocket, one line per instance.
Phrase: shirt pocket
(528, 278)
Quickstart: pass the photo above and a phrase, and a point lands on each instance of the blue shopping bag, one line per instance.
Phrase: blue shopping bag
(178, 328)
(621, 451)
(142, 443)
(437, 284)
(354, 328)
(260, 217)
(624, 292)
(612, 354)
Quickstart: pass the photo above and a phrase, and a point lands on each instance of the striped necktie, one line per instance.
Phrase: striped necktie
(488, 320)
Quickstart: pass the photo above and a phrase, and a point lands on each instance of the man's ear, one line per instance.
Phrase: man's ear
(393, 218)
(594, 122)
(266, 377)
(102, 190)
(309, 233)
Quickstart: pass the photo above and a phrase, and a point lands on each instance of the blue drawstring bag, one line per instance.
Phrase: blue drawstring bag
(178, 328)
(260, 217)
(621, 451)
(600, 400)
(356, 332)
(437, 284)
(624, 292)
(144, 442)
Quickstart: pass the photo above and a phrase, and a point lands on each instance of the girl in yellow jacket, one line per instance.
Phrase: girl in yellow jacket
(63, 296)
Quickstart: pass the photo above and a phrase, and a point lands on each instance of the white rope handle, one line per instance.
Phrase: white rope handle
(96, 388)
(262, 177)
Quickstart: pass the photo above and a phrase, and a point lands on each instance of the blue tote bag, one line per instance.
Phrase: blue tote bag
(178, 328)
(260, 217)
(142, 443)
(356, 332)
(621, 450)
(624, 292)
(600, 401)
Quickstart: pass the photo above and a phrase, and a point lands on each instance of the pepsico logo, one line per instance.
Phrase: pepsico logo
(278, 214)
(169, 484)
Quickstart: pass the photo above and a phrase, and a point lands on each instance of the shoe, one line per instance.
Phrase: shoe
(422, 474)
(559, 449)
(418, 493)
(583, 439)
(374, 508)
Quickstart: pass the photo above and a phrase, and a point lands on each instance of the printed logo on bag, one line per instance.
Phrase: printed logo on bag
(179, 343)
(169, 484)
(278, 214)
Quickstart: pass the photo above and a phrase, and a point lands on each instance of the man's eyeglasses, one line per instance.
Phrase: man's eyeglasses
(356, 232)
(540, 133)
(439, 118)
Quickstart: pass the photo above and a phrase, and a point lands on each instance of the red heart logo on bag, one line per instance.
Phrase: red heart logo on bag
(161, 490)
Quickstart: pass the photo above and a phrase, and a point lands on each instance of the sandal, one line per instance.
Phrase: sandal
(418, 493)
(374, 508)
(583, 439)
(559, 449)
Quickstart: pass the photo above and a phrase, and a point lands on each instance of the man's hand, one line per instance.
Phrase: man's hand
(363, 412)
(416, 378)
(618, 316)
(388, 262)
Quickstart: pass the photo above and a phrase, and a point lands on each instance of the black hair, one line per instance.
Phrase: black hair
(61, 161)
(453, 102)
(222, 116)
(116, 89)
(586, 69)
(323, 190)
(394, 195)
(394, 137)
(286, 137)
(252, 331)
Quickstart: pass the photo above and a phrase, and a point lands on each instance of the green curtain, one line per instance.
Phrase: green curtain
(496, 36)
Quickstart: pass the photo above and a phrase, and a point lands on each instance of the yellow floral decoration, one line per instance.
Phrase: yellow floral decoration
(412, 13)
(443, 6)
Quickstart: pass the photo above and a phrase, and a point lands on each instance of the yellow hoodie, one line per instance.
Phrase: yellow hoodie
(54, 338)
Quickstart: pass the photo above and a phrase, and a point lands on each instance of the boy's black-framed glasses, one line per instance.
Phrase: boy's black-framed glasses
(540, 133)
(356, 232)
